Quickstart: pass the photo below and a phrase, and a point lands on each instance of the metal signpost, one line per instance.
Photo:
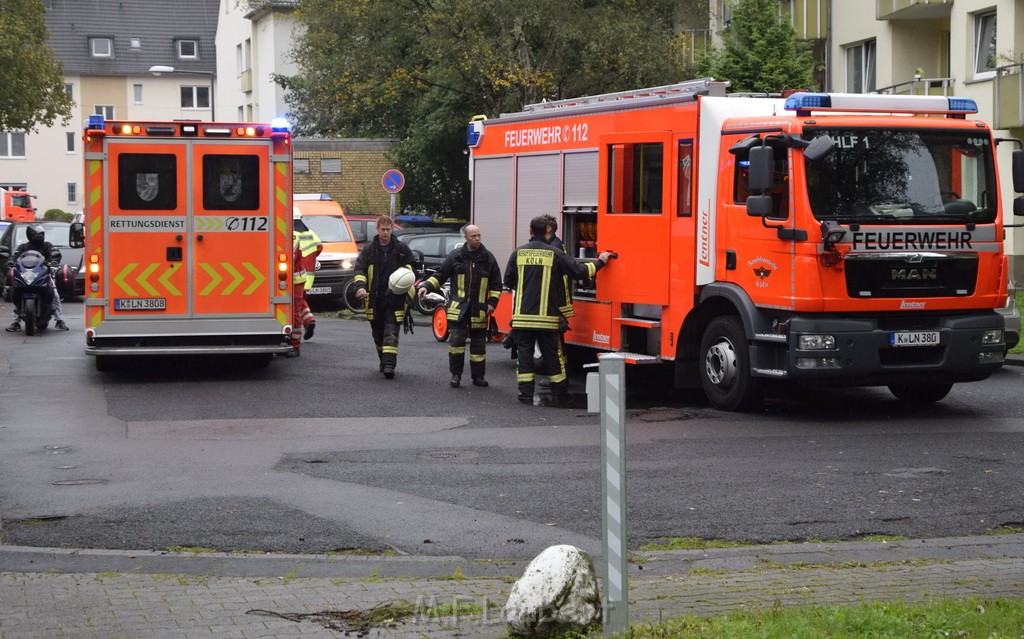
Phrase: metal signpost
(392, 181)
(612, 368)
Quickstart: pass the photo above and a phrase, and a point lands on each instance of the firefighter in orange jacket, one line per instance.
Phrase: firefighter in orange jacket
(535, 272)
(305, 248)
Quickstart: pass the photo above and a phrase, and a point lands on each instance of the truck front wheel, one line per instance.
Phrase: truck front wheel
(725, 366)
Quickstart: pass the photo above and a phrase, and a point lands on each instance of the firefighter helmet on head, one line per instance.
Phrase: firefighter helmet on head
(36, 234)
(296, 213)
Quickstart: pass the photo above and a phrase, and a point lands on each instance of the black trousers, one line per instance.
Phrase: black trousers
(552, 365)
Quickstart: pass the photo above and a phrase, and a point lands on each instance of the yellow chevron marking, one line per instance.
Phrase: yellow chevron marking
(96, 317)
(141, 279)
(283, 316)
(95, 227)
(165, 279)
(258, 278)
(230, 288)
(215, 278)
(282, 196)
(119, 279)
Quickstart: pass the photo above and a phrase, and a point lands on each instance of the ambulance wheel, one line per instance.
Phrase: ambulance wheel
(921, 393)
(725, 366)
(439, 324)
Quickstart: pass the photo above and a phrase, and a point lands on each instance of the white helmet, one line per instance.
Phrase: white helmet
(296, 213)
(401, 280)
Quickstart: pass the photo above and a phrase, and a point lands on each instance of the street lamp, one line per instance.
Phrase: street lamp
(160, 69)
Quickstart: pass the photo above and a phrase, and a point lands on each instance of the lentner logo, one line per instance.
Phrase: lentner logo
(601, 338)
(906, 305)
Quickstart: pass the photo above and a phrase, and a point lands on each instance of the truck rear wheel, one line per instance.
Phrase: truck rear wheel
(920, 393)
(725, 366)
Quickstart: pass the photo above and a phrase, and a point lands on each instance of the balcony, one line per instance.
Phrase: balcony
(912, 9)
(920, 86)
(1009, 96)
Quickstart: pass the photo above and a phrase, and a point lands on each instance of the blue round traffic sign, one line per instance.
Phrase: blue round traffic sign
(393, 181)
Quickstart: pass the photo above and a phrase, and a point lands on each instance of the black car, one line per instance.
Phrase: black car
(70, 278)
(434, 247)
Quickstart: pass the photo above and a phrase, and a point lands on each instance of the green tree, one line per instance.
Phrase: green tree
(417, 70)
(760, 51)
(32, 80)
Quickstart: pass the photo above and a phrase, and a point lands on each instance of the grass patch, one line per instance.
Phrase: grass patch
(1007, 529)
(882, 538)
(362, 552)
(964, 619)
(691, 543)
(192, 549)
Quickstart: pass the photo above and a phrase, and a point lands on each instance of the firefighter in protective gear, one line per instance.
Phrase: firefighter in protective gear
(305, 248)
(475, 289)
(386, 311)
(535, 272)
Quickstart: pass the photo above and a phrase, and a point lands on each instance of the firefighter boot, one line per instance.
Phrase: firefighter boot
(389, 351)
(308, 334)
(525, 393)
(477, 359)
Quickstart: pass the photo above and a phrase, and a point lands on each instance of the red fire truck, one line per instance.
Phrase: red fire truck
(820, 239)
(188, 239)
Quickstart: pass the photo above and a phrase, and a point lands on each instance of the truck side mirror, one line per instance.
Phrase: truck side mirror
(76, 235)
(819, 148)
(359, 236)
(760, 206)
(762, 163)
(1018, 206)
(417, 260)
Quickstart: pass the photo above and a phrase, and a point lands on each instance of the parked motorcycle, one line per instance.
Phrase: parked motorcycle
(32, 290)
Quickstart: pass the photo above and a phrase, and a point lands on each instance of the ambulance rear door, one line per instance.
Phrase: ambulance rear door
(189, 228)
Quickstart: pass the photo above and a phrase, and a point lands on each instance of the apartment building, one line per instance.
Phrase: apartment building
(971, 48)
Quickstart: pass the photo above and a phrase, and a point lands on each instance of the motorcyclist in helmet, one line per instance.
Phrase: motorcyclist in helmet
(37, 242)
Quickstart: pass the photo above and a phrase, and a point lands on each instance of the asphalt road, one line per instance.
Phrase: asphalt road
(320, 453)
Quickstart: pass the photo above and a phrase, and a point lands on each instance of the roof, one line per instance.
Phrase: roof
(155, 25)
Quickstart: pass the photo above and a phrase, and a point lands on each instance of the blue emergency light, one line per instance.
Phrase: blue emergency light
(280, 124)
(804, 102)
(95, 121)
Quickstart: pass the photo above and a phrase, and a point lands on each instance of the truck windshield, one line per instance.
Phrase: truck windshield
(901, 176)
(328, 228)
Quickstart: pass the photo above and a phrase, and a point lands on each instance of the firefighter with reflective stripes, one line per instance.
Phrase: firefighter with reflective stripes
(535, 272)
(305, 248)
(385, 309)
(475, 289)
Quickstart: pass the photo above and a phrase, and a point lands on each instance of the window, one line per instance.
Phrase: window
(330, 165)
(301, 165)
(106, 110)
(684, 199)
(635, 178)
(860, 67)
(985, 45)
(102, 47)
(12, 145)
(195, 97)
(188, 49)
(231, 183)
(135, 43)
(72, 193)
(147, 182)
(69, 88)
(137, 93)
(70, 141)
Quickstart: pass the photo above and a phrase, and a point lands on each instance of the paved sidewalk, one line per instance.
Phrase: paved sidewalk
(103, 594)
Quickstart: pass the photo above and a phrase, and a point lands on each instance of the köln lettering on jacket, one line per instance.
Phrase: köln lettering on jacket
(535, 257)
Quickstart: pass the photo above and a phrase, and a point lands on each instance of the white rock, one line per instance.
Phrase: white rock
(558, 589)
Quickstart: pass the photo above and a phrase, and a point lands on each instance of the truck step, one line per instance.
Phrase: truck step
(636, 321)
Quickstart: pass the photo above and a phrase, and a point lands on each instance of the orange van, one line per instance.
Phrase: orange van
(334, 266)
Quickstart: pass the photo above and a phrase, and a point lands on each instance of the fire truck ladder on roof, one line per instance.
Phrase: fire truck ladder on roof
(635, 96)
(623, 99)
